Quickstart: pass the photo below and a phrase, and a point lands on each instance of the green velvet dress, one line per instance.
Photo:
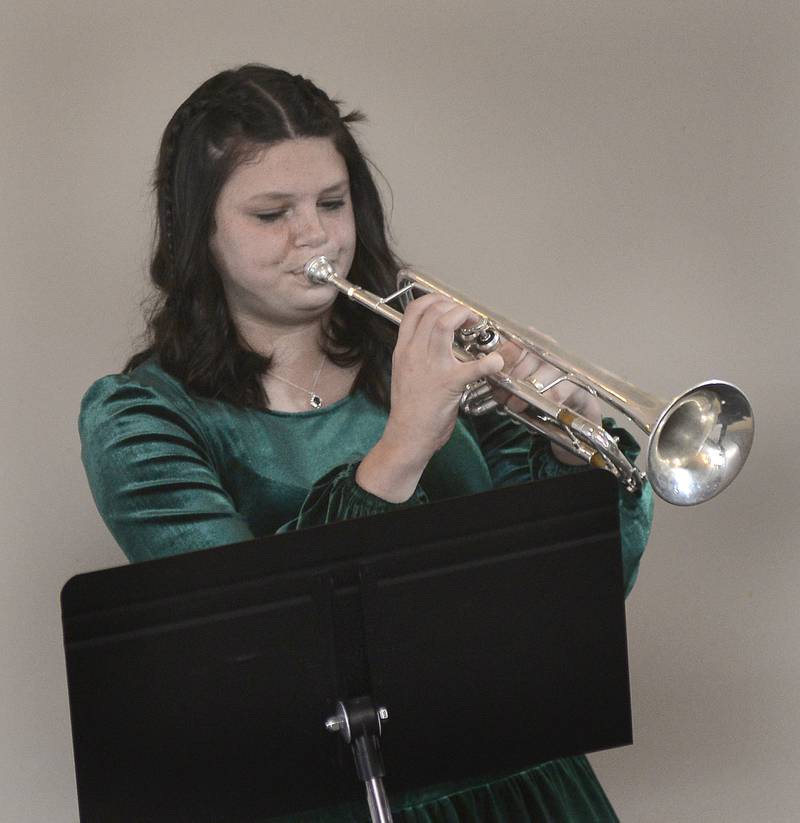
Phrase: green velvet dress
(171, 472)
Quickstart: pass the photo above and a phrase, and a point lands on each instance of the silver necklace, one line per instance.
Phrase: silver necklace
(313, 398)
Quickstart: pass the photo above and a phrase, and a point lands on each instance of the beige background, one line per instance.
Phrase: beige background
(623, 175)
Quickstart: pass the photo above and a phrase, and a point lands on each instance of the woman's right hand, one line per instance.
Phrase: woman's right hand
(427, 382)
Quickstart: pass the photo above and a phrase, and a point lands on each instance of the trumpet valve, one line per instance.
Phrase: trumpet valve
(477, 399)
(481, 337)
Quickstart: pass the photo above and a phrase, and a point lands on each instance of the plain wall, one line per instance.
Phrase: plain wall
(622, 175)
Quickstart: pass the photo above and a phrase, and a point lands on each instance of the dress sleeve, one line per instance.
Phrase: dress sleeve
(337, 496)
(155, 484)
(515, 455)
(151, 475)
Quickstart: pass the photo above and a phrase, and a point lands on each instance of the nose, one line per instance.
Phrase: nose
(309, 229)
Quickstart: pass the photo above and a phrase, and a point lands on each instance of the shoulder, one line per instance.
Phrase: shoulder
(147, 378)
(146, 392)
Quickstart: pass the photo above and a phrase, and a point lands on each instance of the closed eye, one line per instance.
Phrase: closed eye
(277, 214)
(271, 216)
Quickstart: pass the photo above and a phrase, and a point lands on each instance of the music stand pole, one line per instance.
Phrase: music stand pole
(359, 723)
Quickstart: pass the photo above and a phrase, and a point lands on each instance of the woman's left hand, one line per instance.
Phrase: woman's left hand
(522, 364)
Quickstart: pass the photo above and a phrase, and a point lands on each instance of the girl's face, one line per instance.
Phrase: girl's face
(288, 204)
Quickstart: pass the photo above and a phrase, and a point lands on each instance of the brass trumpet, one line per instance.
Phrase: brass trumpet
(697, 444)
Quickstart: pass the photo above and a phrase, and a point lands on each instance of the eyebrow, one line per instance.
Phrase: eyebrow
(282, 195)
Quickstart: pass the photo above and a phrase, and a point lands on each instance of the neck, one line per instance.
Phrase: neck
(295, 348)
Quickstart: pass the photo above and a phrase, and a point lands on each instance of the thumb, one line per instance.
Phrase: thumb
(484, 366)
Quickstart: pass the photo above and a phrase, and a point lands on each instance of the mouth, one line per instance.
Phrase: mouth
(302, 269)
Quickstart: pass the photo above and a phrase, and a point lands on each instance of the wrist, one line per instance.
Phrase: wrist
(390, 471)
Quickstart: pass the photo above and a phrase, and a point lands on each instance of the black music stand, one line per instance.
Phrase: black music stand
(492, 628)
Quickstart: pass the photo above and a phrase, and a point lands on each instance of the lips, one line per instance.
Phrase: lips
(302, 268)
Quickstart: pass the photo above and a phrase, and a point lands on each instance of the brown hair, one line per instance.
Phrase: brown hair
(190, 331)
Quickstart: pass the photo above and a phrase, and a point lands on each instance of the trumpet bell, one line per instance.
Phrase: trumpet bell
(700, 443)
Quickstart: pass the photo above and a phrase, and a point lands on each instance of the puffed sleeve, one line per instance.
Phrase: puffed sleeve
(515, 455)
(151, 474)
(337, 496)
(154, 481)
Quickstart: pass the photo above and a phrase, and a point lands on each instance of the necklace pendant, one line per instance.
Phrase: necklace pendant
(316, 401)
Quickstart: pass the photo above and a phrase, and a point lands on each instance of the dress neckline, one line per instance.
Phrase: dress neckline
(310, 412)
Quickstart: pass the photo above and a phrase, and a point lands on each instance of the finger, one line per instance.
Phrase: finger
(431, 327)
(567, 395)
(443, 330)
(512, 356)
(524, 366)
(518, 364)
(514, 369)
(426, 325)
(413, 315)
(543, 379)
(582, 402)
(486, 366)
(511, 351)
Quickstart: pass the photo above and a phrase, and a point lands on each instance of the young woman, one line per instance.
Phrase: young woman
(264, 403)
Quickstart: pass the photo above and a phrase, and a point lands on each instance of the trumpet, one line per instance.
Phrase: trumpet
(697, 442)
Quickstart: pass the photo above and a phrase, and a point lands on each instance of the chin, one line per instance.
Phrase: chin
(322, 297)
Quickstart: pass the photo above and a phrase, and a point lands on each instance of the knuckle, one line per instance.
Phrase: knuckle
(416, 307)
(442, 323)
(426, 301)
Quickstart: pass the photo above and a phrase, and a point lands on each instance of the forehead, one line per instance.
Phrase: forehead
(298, 167)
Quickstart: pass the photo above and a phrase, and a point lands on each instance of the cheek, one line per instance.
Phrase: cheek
(224, 247)
(249, 250)
(347, 228)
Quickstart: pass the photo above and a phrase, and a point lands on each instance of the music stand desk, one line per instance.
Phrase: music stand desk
(492, 627)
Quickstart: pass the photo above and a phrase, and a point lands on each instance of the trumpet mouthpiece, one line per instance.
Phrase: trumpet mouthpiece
(319, 270)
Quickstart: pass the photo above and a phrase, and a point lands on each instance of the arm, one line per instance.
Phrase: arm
(150, 473)
(427, 382)
(156, 485)
(337, 496)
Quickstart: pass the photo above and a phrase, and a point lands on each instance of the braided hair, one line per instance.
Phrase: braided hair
(190, 332)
